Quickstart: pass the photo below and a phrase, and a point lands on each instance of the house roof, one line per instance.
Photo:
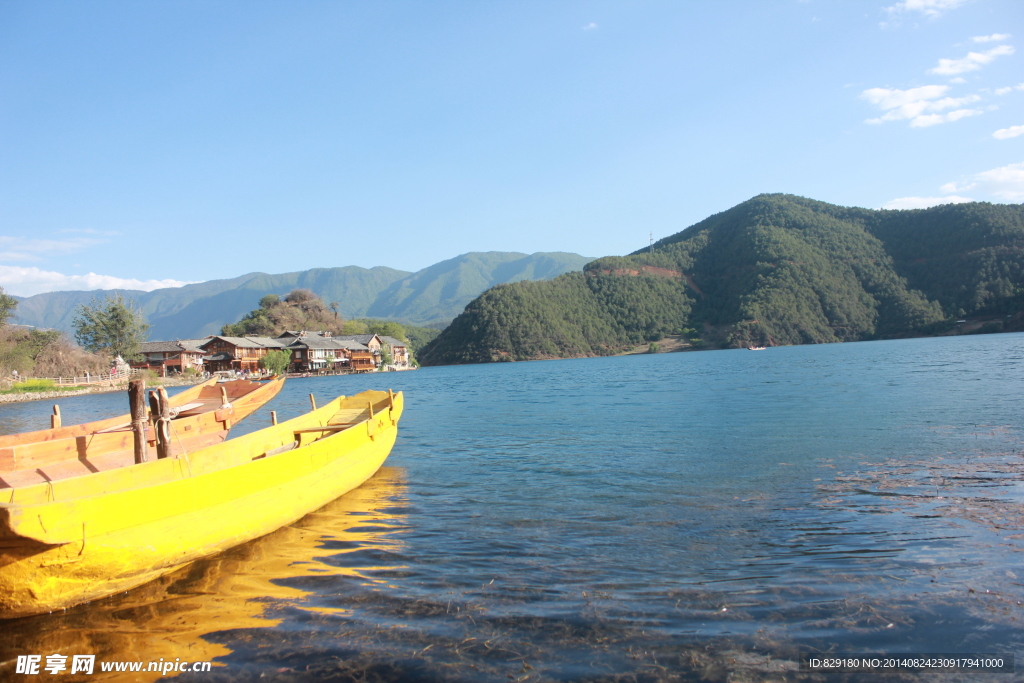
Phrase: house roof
(171, 346)
(158, 347)
(304, 333)
(268, 342)
(192, 344)
(326, 343)
(248, 342)
(351, 345)
(391, 341)
(234, 341)
(360, 338)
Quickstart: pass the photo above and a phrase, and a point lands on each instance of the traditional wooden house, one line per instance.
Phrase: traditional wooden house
(370, 341)
(314, 353)
(362, 360)
(398, 349)
(317, 351)
(238, 354)
(170, 357)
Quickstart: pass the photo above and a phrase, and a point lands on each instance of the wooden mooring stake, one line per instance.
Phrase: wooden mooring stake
(55, 418)
(160, 409)
(137, 400)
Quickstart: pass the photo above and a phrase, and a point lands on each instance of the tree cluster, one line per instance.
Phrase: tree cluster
(40, 353)
(301, 309)
(112, 325)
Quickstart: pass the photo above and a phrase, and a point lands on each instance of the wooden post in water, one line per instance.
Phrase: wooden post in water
(137, 400)
(273, 417)
(55, 418)
(161, 410)
(312, 401)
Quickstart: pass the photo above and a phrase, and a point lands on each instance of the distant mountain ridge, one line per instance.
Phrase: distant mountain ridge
(435, 294)
(774, 270)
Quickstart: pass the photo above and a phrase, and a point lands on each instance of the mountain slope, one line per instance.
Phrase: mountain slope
(776, 269)
(436, 293)
(442, 290)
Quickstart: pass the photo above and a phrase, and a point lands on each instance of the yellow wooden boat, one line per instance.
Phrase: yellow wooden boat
(200, 416)
(73, 540)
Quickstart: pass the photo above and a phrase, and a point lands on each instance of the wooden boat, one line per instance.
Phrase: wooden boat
(73, 540)
(200, 416)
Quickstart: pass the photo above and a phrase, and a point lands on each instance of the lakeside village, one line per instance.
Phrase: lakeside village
(310, 353)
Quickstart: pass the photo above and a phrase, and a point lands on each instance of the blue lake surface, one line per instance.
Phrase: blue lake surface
(688, 516)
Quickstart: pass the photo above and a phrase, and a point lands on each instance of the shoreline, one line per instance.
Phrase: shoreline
(44, 395)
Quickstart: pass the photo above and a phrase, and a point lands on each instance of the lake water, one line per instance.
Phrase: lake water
(691, 516)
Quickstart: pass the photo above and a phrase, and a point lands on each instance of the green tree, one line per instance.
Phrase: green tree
(112, 324)
(386, 328)
(7, 305)
(353, 327)
(276, 361)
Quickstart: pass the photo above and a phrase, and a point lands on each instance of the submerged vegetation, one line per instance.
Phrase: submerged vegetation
(774, 270)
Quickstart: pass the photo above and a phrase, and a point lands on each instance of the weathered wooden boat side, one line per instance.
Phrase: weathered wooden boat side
(68, 431)
(78, 539)
(202, 420)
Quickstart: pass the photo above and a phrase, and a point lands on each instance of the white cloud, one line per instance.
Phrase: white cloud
(90, 231)
(1005, 182)
(935, 119)
(887, 98)
(921, 106)
(994, 38)
(972, 62)
(590, 27)
(1009, 89)
(924, 202)
(23, 249)
(929, 8)
(28, 281)
(956, 187)
(1007, 133)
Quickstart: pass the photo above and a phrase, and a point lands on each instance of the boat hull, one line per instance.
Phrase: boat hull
(71, 431)
(49, 459)
(146, 520)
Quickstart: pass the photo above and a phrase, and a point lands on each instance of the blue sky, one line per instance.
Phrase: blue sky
(147, 144)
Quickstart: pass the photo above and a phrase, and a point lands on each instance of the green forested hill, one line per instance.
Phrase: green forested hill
(777, 269)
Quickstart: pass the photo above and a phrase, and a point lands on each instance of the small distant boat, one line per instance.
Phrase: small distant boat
(73, 540)
(756, 348)
(200, 416)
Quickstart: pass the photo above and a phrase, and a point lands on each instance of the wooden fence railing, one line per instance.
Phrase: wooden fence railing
(84, 380)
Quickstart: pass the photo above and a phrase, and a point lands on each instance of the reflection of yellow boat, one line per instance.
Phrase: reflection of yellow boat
(74, 540)
(169, 618)
(201, 416)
